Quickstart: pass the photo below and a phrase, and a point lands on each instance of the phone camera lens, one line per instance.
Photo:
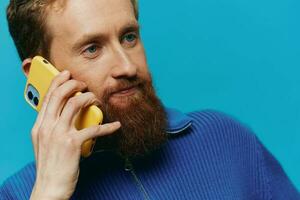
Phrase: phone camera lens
(35, 101)
(45, 61)
(30, 95)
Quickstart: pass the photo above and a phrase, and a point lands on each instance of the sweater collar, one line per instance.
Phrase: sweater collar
(177, 121)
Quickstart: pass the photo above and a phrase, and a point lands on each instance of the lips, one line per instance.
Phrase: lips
(125, 91)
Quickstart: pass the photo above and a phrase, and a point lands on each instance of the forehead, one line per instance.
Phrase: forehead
(78, 17)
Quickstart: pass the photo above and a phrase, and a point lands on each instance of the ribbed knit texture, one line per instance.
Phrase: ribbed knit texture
(216, 158)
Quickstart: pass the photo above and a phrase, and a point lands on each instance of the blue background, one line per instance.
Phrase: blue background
(237, 56)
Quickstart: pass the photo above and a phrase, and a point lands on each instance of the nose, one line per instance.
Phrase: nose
(124, 67)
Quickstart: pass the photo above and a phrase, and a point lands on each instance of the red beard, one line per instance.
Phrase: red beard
(142, 117)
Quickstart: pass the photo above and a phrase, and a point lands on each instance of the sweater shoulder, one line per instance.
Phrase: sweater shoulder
(226, 139)
(20, 184)
(217, 122)
(221, 131)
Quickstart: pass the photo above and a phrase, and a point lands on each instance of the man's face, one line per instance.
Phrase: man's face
(98, 42)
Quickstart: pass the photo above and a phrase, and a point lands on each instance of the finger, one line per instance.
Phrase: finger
(57, 81)
(60, 96)
(34, 139)
(97, 131)
(74, 105)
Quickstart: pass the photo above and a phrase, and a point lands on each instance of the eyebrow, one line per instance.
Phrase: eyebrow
(100, 37)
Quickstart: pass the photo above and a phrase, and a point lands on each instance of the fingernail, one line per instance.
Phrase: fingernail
(118, 123)
(65, 72)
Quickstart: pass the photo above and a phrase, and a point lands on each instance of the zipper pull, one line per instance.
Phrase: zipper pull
(128, 165)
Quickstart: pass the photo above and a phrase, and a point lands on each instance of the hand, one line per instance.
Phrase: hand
(56, 141)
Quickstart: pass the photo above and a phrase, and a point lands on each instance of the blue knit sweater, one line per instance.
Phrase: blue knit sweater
(208, 156)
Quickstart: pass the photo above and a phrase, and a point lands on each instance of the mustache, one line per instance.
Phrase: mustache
(124, 84)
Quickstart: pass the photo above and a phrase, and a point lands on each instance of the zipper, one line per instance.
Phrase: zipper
(129, 168)
(182, 129)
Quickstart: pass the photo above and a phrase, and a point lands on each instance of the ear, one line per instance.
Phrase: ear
(26, 66)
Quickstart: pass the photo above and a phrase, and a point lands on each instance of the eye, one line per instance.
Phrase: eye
(91, 51)
(130, 39)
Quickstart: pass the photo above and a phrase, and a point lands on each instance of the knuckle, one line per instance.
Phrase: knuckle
(43, 132)
(91, 94)
(71, 142)
(73, 102)
(65, 89)
(56, 81)
(91, 97)
(94, 130)
(103, 130)
(98, 129)
(75, 84)
(42, 129)
(56, 94)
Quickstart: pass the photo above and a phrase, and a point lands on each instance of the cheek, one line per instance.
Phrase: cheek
(144, 71)
(95, 83)
(140, 60)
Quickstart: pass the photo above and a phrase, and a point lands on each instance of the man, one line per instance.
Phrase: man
(143, 150)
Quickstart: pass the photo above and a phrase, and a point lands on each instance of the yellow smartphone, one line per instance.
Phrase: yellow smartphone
(40, 76)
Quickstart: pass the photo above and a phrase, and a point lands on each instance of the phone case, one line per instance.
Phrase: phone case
(39, 79)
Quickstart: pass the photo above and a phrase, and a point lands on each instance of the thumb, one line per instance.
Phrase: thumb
(98, 131)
